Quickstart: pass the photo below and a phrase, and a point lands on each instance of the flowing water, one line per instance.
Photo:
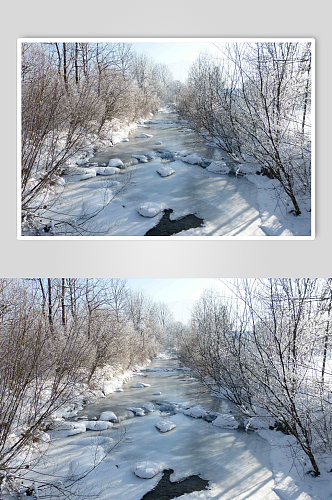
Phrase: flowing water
(167, 376)
(174, 135)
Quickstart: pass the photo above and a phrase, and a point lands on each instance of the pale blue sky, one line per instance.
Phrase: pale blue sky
(179, 294)
(177, 55)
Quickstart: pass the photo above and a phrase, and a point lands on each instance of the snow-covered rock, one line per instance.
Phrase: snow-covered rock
(156, 393)
(226, 421)
(144, 136)
(165, 426)
(140, 158)
(158, 142)
(115, 162)
(165, 171)
(147, 470)
(140, 384)
(139, 412)
(88, 175)
(149, 209)
(218, 167)
(125, 140)
(150, 154)
(118, 390)
(78, 429)
(107, 170)
(195, 412)
(193, 159)
(148, 407)
(108, 416)
(98, 425)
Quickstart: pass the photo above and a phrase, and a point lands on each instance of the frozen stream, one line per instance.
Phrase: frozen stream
(235, 463)
(227, 204)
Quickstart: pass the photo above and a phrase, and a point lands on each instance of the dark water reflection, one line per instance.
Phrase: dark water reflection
(166, 490)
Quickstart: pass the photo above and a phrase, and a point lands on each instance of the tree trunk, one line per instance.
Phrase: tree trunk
(50, 307)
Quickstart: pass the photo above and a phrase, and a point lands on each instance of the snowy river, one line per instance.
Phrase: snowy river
(235, 463)
(226, 204)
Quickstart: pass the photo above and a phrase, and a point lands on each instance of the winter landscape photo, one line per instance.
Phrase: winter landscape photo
(180, 138)
(212, 389)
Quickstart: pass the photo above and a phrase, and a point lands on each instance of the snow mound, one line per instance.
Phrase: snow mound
(255, 423)
(149, 209)
(165, 171)
(158, 143)
(218, 168)
(118, 390)
(60, 181)
(188, 130)
(144, 136)
(108, 416)
(226, 422)
(150, 154)
(140, 384)
(245, 169)
(115, 162)
(165, 426)
(78, 429)
(139, 412)
(141, 158)
(148, 407)
(195, 412)
(156, 393)
(125, 140)
(147, 470)
(107, 170)
(193, 159)
(94, 425)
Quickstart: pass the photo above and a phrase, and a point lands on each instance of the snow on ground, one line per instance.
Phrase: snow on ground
(275, 207)
(226, 421)
(218, 168)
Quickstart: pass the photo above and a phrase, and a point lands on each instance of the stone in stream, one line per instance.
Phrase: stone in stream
(147, 470)
(165, 426)
(149, 209)
(108, 416)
